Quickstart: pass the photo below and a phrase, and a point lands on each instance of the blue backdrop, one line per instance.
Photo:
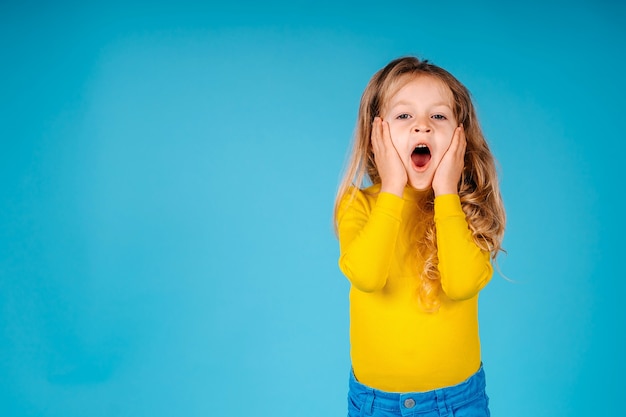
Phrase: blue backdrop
(167, 179)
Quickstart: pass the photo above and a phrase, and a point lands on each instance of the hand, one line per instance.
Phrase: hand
(392, 172)
(448, 173)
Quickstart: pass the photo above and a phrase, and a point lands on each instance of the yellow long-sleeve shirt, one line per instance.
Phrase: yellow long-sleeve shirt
(396, 346)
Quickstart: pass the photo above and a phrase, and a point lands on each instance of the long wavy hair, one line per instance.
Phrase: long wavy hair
(479, 189)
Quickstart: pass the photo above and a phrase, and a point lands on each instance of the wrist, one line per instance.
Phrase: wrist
(396, 189)
(444, 190)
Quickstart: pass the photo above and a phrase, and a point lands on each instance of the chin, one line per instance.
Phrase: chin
(421, 180)
(421, 185)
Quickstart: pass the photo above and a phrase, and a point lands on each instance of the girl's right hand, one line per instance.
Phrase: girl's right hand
(392, 172)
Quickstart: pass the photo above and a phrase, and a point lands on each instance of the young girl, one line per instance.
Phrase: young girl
(417, 245)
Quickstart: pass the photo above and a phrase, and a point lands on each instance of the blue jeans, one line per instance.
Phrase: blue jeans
(467, 399)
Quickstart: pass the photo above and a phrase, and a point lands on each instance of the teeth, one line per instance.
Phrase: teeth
(421, 149)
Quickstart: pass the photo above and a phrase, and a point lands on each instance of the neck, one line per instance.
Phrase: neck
(412, 194)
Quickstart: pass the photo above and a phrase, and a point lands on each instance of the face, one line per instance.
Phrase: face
(422, 123)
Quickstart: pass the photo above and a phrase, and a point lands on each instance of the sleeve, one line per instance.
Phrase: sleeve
(367, 238)
(465, 269)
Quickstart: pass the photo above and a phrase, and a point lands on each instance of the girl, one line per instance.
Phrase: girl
(417, 245)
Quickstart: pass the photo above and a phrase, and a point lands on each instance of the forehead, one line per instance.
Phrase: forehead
(421, 87)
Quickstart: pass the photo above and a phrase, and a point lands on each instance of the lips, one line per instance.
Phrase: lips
(420, 156)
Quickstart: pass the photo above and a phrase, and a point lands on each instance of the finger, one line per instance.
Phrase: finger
(376, 135)
(387, 138)
(458, 143)
(456, 149)
(386, 133)
(381, 137)
(462, 139)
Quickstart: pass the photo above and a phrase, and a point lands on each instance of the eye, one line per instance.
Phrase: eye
(439, 117)
(403, 116)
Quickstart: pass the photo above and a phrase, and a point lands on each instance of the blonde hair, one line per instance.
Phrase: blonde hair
(478, 186)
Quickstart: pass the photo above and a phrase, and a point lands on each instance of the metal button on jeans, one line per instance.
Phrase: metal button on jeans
(409, 403)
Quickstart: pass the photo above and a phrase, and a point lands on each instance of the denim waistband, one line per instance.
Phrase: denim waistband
(413, 402)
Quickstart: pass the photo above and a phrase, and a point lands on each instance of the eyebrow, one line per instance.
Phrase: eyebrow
(406, 103)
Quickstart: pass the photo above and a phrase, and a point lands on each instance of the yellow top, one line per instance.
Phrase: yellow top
(396, 346)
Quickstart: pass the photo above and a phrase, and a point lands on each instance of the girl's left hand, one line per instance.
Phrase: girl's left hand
(448, 173)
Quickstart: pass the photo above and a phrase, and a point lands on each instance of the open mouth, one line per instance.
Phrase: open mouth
(420, 156)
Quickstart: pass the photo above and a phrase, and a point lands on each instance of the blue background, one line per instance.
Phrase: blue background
(167, 176)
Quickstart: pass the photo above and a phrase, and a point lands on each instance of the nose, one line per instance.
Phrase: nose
(421, 126)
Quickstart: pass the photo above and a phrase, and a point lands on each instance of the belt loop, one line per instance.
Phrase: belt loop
(442, 406)
(368, 406)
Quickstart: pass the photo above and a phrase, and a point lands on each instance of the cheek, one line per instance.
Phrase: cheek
(396, 137)
(445, 139)
(443, 143)
(395, 141)
(436, 159)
